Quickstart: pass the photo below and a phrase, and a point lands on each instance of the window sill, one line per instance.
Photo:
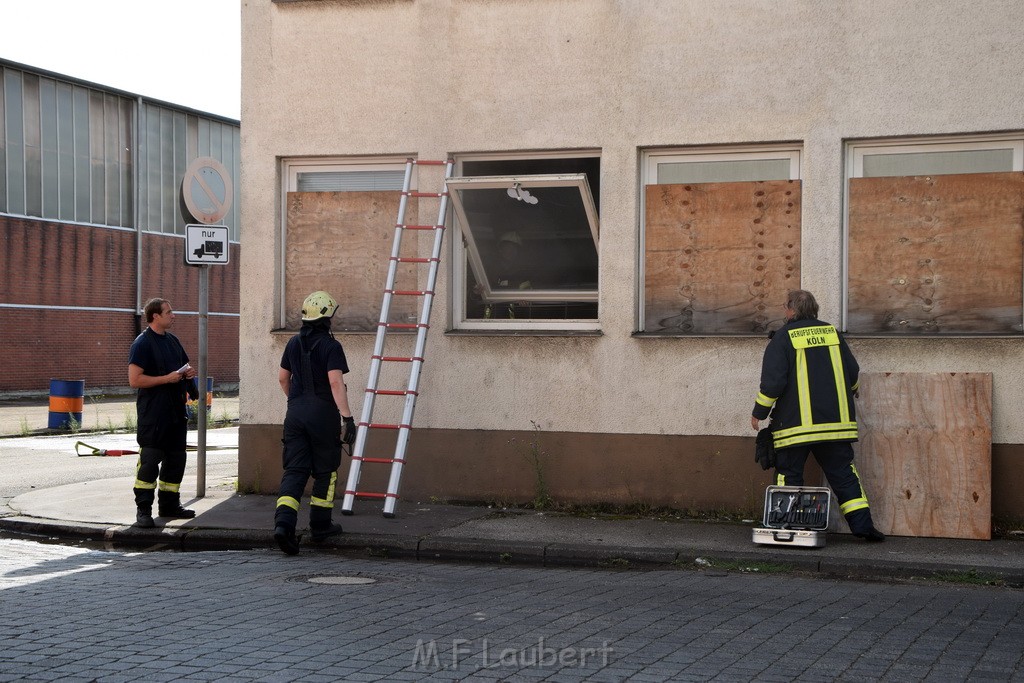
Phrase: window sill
(697, 335)
(949, 335)
(523, 333)
(283, 332)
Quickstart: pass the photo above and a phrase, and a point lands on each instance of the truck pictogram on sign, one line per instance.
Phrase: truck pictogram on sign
(210, 248)
(206, 245)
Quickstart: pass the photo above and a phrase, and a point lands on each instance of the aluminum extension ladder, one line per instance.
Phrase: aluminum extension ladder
(378, 358)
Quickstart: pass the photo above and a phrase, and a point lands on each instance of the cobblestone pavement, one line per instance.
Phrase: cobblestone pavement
(73, 613)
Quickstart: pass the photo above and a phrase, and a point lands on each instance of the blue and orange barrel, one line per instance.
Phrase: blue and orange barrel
(209, 392)
(67, 397)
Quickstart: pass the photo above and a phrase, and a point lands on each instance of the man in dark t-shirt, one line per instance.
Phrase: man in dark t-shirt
(158, 367)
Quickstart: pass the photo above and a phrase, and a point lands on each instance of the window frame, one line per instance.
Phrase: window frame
(856, 150)
(291, 167)
(577, 180)
(464, 252)
(649, 160)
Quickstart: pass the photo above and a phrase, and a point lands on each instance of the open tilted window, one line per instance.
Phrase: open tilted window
(529, 251)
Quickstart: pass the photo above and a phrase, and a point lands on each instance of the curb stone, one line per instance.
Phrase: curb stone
(483, 550)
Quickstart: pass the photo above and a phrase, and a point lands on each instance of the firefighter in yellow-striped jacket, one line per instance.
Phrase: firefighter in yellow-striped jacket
(809, 378)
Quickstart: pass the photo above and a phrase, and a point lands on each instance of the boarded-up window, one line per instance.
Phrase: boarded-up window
(720, 257)
(341, 242)
(939, 254)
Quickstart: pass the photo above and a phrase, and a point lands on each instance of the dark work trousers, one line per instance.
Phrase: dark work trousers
(836, 461)
(312, 447)
(161, 456)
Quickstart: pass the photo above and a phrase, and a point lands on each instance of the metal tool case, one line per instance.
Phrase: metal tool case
(795, 516)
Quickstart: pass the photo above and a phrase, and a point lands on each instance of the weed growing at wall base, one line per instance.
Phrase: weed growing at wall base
(536, 457)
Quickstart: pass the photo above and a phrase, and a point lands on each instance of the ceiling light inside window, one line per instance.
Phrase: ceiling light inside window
(522, 195)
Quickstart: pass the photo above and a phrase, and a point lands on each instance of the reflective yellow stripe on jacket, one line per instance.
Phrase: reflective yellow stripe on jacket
(808, 432)
(828, 431)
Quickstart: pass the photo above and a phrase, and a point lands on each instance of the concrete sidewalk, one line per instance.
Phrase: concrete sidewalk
(101, 510)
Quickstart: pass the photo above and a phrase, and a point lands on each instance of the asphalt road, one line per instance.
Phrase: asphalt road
(94, 615)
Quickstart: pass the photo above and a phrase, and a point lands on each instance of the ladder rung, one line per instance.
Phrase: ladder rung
(368, 494)
(383, 461)
(417, 259)
(428, 162)
(397, 359)
(413, 193)
(392, 392)
(407, 292)
(419, 227)
(381, 425)
(403, 326)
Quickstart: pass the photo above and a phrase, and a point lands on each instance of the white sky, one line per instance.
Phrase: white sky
(185, 52)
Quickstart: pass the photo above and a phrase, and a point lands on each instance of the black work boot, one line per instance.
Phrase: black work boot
(872, 535)
(180, 513)
(286, 541)
(862, 526)
(321, 534)
(169, 506)
(144, 518)
(144, 505)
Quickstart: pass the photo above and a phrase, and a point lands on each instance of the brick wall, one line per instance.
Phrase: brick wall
(45, 263)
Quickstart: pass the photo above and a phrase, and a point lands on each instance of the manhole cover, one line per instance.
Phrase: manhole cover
(342, 580)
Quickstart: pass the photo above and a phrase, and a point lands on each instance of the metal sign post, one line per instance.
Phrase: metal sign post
(205, 245)
(204, 318)
(206, 192)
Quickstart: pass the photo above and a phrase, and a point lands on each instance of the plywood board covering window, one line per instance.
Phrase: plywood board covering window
(720, 257)
(341, 242)
(936, 254)
(925, 453)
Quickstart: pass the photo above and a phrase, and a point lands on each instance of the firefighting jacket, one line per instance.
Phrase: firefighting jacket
(808, 376)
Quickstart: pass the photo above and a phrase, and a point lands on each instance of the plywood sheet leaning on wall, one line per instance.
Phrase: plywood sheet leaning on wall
(925, 453)
(341, 242)
(719, 257)
(936, 254)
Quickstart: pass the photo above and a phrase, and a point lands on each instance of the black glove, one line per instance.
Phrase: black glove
(192, 388)
(764, 449)
(348, 430)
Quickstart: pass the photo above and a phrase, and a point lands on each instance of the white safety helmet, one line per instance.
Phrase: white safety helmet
(318, 305)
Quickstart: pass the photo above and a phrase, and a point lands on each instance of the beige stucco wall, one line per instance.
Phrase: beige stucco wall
(438, 77)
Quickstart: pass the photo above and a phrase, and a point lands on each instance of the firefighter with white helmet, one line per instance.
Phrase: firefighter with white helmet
(318, 421)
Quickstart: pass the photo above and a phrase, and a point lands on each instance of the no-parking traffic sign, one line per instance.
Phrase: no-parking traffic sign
(206, 190)
(206, 245)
